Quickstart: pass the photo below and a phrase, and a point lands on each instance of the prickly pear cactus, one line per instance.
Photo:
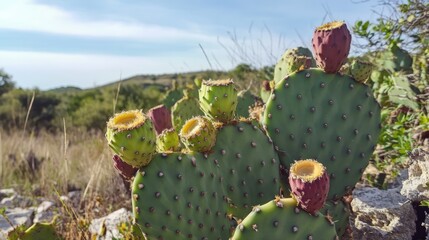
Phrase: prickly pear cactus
(161, 118)
(282, 219)
(198, 134)
(245, 101)
(309, 183)
(338, 212)
(194, 193)
(180, 196)
(168, 140)
(249, 166)
(185, 109)
(290, 62)
(360, 70)
(331, 45)
(172, 96)
(218, 99)
(402, 59)
(131, 135)
(328, 117)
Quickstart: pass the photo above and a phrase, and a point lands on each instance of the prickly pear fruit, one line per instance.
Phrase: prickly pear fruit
(293, 60)
(282, 219)
(218, 99)
(360, 70)
(131, 135)
(126, 171)
(331, 45)
(168, 140)
(161, 118)
(198, 134)
(309, 184)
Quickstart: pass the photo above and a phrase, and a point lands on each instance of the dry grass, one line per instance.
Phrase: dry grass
(49, 165)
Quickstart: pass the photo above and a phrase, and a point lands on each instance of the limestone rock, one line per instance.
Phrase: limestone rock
(416, 186)
(382, 214)
(16, 201)
(17, 217)
(111, 223)
(7, 192)
(45, 212)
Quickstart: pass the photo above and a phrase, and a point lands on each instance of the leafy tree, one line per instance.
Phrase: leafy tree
(6, 83)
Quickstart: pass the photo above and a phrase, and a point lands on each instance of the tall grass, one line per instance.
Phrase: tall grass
(73, 159)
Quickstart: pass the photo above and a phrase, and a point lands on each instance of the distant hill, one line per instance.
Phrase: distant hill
(150, 79)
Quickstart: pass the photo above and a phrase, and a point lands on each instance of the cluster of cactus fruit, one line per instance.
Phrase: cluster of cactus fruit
(212, 173)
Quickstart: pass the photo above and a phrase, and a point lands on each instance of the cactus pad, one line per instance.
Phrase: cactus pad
(218, 99)
(249, 166)
(131, 135)
(185, 109)
(291, 61)
(360, 70)
(179, 196)
(282, 219)
(245, 101)
(327, 117)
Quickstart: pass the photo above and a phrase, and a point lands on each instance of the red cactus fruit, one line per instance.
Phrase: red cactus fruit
(161, 118)
(126, 171)
(309, 183)
(331, 45)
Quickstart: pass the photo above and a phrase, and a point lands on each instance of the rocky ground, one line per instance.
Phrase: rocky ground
(391, 214)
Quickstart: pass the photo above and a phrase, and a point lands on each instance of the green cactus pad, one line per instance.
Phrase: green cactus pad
(288, 62)
(180, 196)
(198, 134)
(245, 101)
(185, 109)
(327, 117)
(168, 140)
(239, 172)
(338, 212)
(249, 166)
(218, 99)
(282, 219)
(131, 135)
(360, 70)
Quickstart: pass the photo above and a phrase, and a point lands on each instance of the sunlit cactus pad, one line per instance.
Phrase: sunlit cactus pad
(182, 196)
(282, 219)
(327, 117)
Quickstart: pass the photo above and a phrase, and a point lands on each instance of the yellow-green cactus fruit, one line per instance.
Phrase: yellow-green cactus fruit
(198, 134)
(131, 135)
(218, 99)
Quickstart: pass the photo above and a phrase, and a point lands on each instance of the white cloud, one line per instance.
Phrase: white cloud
(50, 70)
(27, 15)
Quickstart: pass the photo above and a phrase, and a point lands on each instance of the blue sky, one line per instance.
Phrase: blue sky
(53, 43)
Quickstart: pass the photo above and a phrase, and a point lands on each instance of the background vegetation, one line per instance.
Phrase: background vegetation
(52, 141)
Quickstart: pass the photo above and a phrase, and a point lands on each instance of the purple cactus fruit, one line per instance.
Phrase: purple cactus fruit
(331, 45)
(126, 171)
(161, 118)
(309, 184)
